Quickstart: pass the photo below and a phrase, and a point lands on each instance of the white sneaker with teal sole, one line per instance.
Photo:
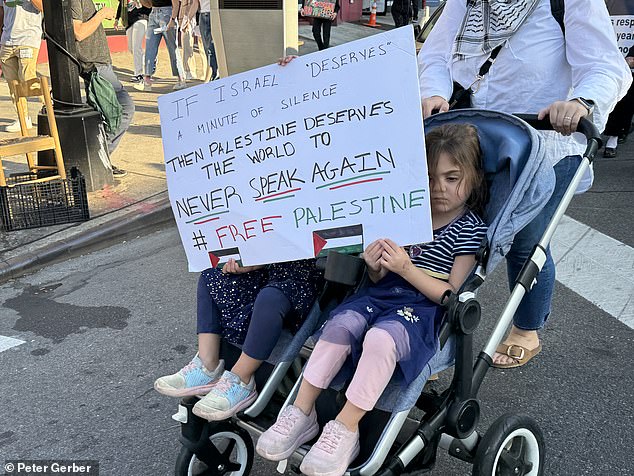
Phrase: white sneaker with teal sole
(226, 398)
(193, 379)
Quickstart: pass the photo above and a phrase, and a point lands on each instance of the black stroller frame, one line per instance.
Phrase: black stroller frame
(513, 445)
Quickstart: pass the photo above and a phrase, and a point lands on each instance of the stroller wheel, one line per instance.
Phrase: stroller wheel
(512, 446)
(234, 458)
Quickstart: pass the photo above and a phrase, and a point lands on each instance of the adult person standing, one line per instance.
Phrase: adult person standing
(186, 16)
(620, 120)
(324, 24)
(20, 39)
(538, 70)
(403, 11)
(161, 24)
(93, 53)
(135, 17)
(204, 24)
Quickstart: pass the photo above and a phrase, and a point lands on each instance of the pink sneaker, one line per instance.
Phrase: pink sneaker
(335, 449)
(291, 430)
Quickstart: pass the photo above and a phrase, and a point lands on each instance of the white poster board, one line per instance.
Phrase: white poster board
(622, 15)
(285, 163)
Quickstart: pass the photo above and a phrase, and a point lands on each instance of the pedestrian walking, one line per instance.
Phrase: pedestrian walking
(21, 27)
(322, 25)
(134, 18)
(161, 25)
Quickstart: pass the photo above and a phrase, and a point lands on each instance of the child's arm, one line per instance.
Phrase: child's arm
(395, 259)
(372, 258)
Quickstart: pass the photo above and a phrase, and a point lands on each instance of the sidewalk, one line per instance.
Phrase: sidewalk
(135, 204)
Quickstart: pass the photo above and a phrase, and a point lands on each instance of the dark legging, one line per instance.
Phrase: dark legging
(269, 310)
(317, 26)
(620, 119)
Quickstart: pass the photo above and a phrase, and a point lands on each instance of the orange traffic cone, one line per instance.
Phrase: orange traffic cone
(372, 21)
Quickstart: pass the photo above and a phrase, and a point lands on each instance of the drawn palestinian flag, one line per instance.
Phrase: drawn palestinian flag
(219, 257)
(346, 239)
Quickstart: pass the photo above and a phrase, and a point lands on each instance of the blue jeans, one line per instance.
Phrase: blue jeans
(114, 137)
(535, 306)
(204, 22)
(159, 18)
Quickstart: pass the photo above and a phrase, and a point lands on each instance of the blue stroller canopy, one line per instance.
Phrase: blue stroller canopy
(520, 177)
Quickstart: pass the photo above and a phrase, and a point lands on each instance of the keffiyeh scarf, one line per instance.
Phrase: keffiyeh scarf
(489, 23)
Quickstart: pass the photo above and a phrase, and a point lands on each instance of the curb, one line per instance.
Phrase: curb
(88, 240)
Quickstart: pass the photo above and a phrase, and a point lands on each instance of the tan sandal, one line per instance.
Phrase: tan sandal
(520, 355)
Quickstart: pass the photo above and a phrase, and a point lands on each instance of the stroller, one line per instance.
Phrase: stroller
(520, 180)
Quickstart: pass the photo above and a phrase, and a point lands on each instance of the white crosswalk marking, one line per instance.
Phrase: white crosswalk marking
(8, 342)
(597, 267)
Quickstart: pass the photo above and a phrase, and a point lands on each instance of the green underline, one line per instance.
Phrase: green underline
(206, 216)
(351, 179)
(279, 198)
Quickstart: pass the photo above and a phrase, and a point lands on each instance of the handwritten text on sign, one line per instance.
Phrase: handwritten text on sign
(285, 163)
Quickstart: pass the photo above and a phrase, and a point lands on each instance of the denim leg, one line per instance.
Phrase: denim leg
(114, 137)
(152, 41)
(535, 306)
(208, 42)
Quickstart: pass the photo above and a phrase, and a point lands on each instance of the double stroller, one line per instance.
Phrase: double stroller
(520, 180)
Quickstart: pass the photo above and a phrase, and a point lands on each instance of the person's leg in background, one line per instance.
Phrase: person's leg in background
(327, 24)
(205, 33)
(317, 22)
(19, 63)
(535, 307)
(171, 37)
(619, 123)
(114, 137)
(136, 33)
(189, 63)
(152, 41)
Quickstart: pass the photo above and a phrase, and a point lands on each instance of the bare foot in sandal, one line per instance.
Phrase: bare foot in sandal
(518, 348)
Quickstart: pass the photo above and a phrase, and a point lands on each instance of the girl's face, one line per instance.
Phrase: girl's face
(448, 187)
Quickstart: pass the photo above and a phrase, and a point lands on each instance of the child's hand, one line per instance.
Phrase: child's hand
(394, 258)
(232, 267)
(372, 256)
(287, 59)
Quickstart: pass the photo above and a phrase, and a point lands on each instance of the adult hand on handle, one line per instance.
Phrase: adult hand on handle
(564, 115)
(434, 103)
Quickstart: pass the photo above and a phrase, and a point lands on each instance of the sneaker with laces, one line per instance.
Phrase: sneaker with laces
(180, 85)
(193, 379)
(291, 430)
(145, 85)
(15, 125)
(118, 173)
(137, 79)
(226, 398)
(335, 449)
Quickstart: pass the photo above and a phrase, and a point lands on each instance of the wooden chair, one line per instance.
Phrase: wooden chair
(27, 144)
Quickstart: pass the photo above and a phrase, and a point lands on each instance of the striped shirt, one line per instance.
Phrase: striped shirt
(461, 237)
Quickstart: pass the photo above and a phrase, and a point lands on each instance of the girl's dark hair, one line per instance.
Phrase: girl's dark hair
(460, 142)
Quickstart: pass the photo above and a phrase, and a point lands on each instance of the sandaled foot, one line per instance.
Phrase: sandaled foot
(516, 355)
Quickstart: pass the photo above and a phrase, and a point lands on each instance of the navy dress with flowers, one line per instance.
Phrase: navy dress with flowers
(394, 299)
(235, 294)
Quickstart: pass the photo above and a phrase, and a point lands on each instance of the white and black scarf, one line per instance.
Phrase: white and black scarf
(489, 23)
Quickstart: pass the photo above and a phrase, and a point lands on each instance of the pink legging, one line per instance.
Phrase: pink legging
(375, 368)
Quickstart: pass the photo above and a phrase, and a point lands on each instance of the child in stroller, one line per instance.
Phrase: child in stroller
(397, 317)
(520, 179)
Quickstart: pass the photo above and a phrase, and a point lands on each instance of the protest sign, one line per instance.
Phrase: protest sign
(284, 163)
(319, 9)
(622, 16)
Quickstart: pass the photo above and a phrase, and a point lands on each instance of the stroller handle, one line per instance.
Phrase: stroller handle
(586, 127)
